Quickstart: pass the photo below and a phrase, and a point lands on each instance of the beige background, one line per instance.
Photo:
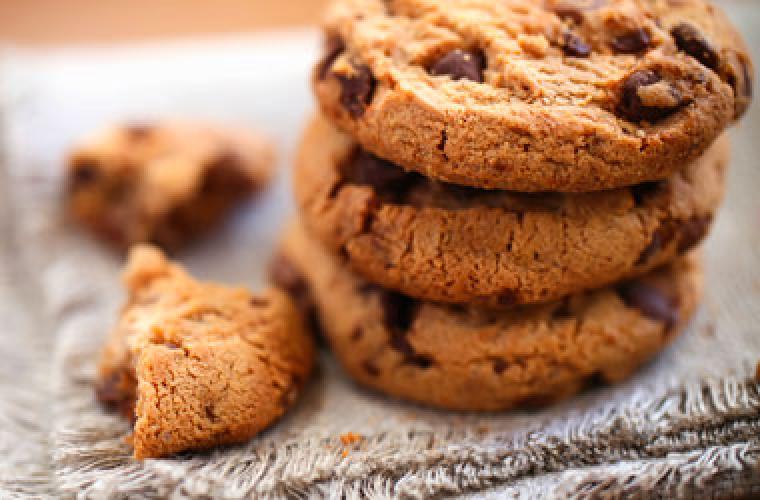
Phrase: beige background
(52, 22)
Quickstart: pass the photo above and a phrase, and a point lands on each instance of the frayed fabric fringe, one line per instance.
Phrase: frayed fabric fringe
(686, 440)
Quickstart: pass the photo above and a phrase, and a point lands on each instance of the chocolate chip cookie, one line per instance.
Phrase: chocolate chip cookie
(163, 183)
(448, 243)
(196, 365)
(466, 358)
(533, 95)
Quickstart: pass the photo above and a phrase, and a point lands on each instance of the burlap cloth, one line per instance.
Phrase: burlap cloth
(687, 425)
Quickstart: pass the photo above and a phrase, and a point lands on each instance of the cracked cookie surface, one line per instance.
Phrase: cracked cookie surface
(196, 365)
(164, 183)
(473, 359)
(533, 95)
(447, 243)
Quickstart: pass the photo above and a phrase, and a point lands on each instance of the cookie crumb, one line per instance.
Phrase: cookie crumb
(350, 438)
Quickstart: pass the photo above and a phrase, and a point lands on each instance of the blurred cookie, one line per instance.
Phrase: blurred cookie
(196, 365)
(165, 183)
(533, 95)
(447, 243)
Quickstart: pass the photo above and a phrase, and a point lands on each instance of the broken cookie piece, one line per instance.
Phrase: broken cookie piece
(195, 365)
(165, 183)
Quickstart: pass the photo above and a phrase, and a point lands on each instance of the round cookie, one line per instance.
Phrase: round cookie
(474, 359)
(447, 243)
(195, 364)
(533, 95)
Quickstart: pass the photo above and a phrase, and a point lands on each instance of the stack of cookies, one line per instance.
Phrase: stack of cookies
(501, 200)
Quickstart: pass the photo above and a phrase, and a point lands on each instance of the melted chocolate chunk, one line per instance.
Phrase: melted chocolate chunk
(390, 182)
(651, 301)
(573, 10)
(117, 393)
(285, 275)
(690, 40)
(575, 46)
(563, 310)
(399, 312)
(357, 90)
(333, 48)
(643, 192)
(139, 131)
(568, 12)
(693, 231)
(499, 365)
(736, 71)
(224, 175)
(370, 368)
(460, 64)
(507, 297)
(631, 42)
(259, 302)
(632, 108)
(85, 172)
(660, 239)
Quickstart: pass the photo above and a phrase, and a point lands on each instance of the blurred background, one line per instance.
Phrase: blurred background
(54, 22)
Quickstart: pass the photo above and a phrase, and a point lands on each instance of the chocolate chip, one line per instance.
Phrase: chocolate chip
(568, 12)
(85, 172)
(631, 106)
(357, 334)
(284, 274)
(736, 71)
(690, 40)
(117, 393)
(563, 310)
(333, 48)
(575, 46)
(172, 345)
(139, 131)
(693, 231)
(370, 368)
(499, 365)
(662, 236)
(459, 64)
(631, 42)
(643, 192)
(572, 10)
(507, 297)
(442, 142)
(211, 412)
(224, 176)
(356, 90)
(399, 312)
(369, 170)
(651, 301)
(259, 302)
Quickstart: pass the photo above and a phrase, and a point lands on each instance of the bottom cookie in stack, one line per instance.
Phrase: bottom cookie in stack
(470, 358)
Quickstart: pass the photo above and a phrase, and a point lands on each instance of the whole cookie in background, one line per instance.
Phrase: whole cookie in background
(196, 365)
(165, 183)
(466, 358)
(447, 243)
(533, 95)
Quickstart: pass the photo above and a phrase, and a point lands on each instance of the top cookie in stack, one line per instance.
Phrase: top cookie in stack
(534, 95)
(501, 197)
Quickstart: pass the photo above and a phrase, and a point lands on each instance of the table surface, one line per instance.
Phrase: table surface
(57, 22)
